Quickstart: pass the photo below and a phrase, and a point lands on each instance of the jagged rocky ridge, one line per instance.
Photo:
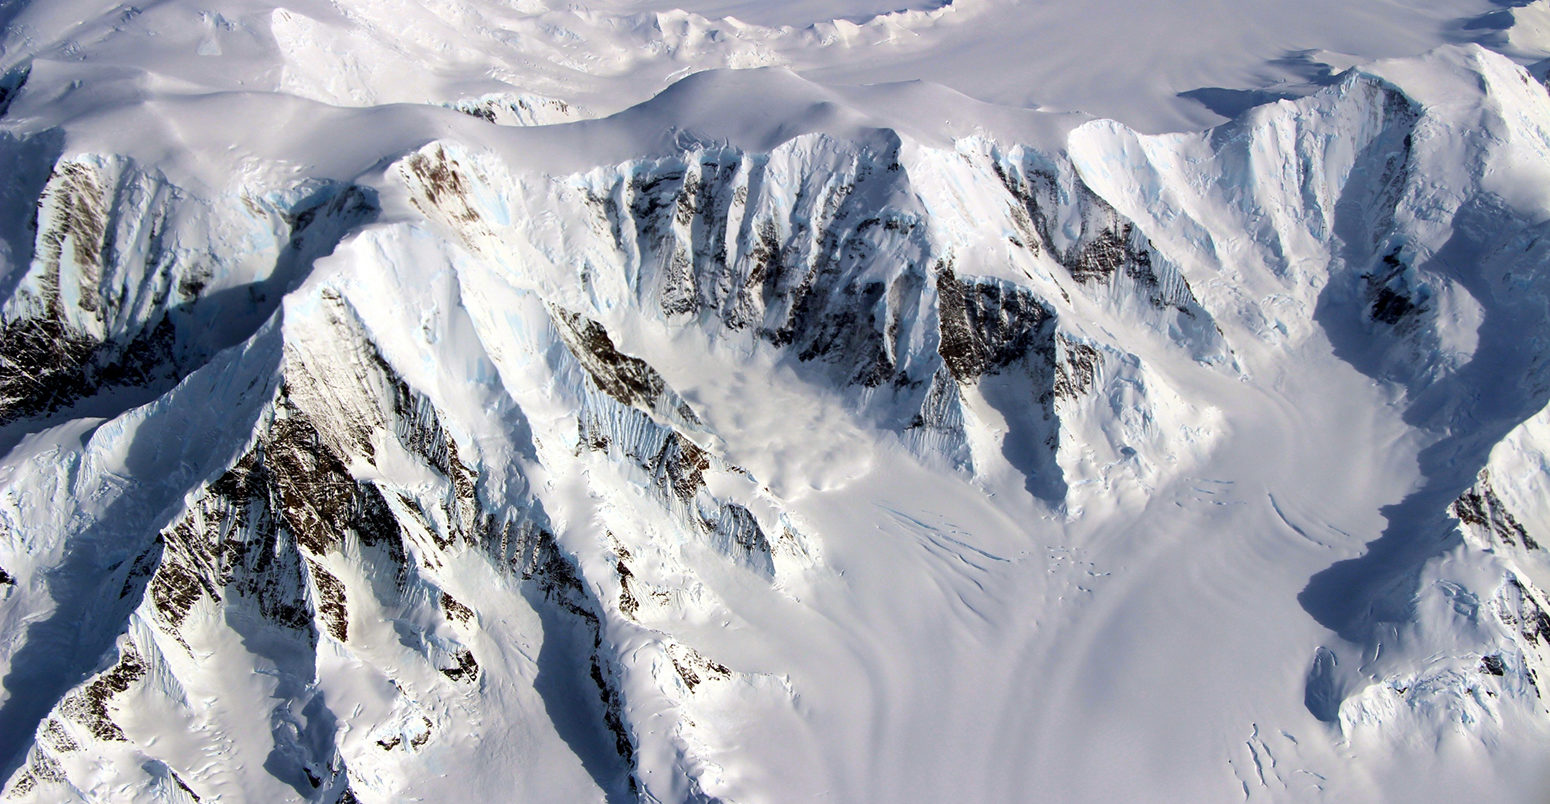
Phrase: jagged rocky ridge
(1363, 235)
(1503, 513)
(834, 254)
(133, 283)
(349, 509)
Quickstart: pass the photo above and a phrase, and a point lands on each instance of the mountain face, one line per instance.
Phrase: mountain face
(530, 401)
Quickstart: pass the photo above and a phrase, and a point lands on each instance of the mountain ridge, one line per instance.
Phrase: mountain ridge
(764, 440)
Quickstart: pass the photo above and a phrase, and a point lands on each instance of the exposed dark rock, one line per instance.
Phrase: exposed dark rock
(89, 704)
(345, 205)
(45, 367)
(441, 179)
(1104, 255)
(47, 363)
(1390, 307)
(376, 526)
(1481, 508)
(694, 668)
(81, 223)
(420, 738)
(232, 543)
(423, 736)
(466, 671)
(763, 257)
(484, 113)
(627, 379)
(613, 708)
(595, 440)
(1001, 339)
(833, 314)
(680, 467)
(801, 290)
(738, 528)
(418, 426)
(1027, 207)
(315, 489)
(522, 110)
(54, 736)
(141, 568)
(986, 327)
(1524, 613)
(628, 604)
(182, 785)
(174, 590)
(11, 85)
(331, 601)
(1106, 246)
(41, 768)
(1077, 370)
(556, 576)
(1492, 665)
(849, 329)
(455, 610)
(43, 364)
(1392, 301)
(700, 272)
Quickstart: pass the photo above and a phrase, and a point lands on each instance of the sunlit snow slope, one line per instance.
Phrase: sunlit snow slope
(531, 401)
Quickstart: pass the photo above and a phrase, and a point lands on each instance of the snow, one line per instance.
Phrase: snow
(946, 402)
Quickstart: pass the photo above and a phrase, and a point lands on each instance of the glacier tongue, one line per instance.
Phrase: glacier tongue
(766, 440)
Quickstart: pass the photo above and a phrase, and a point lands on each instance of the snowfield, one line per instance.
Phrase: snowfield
(990, 400)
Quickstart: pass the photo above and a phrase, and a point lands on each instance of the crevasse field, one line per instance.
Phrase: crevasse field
(972, 401)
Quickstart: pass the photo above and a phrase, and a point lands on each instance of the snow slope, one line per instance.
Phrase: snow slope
(502, 401)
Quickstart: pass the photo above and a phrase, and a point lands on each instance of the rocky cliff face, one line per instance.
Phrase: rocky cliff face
(835, 256)
(352, 527)
(1503, 514)
(133, 284)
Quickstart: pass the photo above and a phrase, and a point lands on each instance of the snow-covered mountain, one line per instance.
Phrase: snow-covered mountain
(515, 401)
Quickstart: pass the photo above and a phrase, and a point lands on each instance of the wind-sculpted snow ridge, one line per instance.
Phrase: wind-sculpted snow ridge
(770, 439)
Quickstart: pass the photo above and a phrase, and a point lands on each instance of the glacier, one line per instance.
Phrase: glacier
(717, 401)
